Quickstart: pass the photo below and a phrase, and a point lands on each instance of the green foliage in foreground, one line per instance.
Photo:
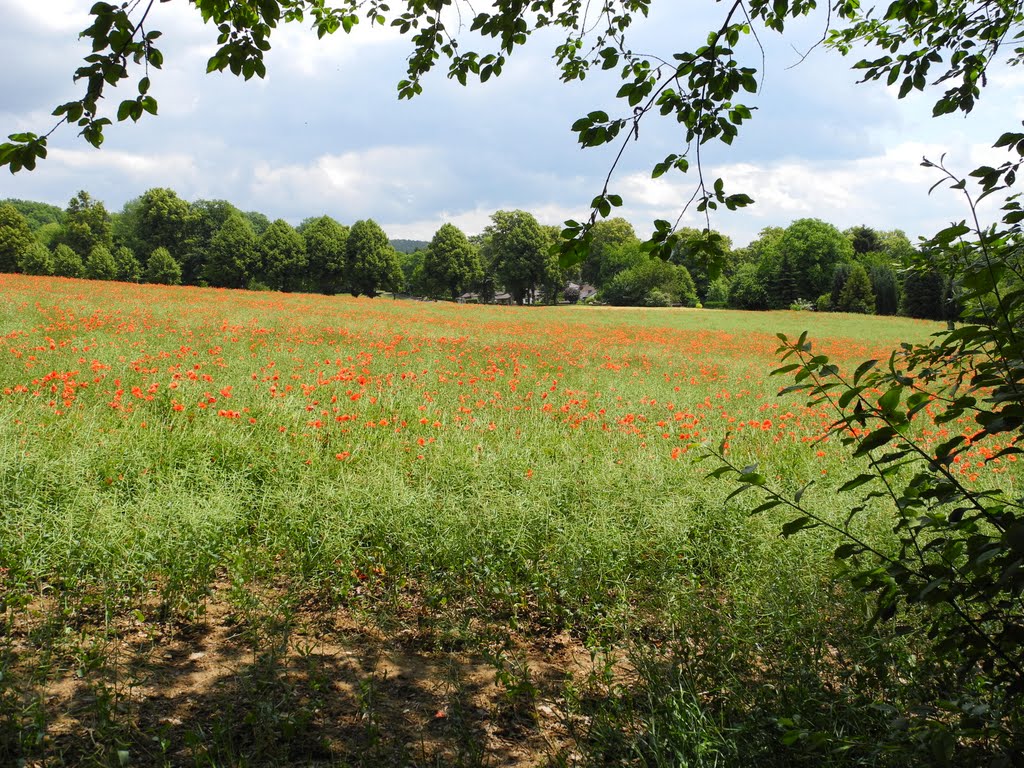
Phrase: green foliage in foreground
(956, 574)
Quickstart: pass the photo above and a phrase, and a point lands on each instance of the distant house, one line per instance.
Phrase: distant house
(503, 298)
(469, 298)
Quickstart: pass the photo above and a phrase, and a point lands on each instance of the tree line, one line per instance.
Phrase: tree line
(161, 238)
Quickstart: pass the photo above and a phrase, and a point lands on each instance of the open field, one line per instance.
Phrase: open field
(262, 529)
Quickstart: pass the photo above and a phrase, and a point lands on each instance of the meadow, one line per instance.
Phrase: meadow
(258, 529)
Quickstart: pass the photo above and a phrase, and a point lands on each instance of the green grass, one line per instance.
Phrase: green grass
(130, 527)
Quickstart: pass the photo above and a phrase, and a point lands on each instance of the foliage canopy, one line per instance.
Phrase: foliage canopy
(950, 44)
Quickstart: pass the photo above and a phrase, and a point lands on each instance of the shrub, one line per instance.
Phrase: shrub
(100, 265)
(632, 287)
(657, 298)
(954, 580)
(37, 260)
(802, 305)
(129, 269)
(67, 263)
(162, 269)
(824, 303)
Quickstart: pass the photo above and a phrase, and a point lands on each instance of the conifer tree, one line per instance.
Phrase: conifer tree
(857, 295)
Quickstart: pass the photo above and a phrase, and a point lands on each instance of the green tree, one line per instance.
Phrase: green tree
(86, 224)
(451, 264)
(839, 276)
(231, 259)
(863, 239)
(411, 264)
(15, 237)
(38, 215)
(49, 234)
(924, 293)
(282, 256)
(516, 249)
(161, 219)
(162, 269)
(813, 248)
(67, 263)
(100, 265)
(129, 270)
(783, 286)
(259, 221)
(37, 260)
(125, 226)
(704, 253)
(886, 289)
(718, 292)
(607, 238)
(747, 291)
(371, 264)
(898, 248)
(208, 217)
(615, 259)
(856, 295)
(325, 242)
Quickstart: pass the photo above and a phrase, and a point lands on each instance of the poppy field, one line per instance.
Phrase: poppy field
(243, 528)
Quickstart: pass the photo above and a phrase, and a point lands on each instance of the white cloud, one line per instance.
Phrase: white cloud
(52, 15)
(137, 167)
(472, 221)
(379, 182)
(887, 191)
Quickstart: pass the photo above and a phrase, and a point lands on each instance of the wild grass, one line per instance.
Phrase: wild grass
(283, 479)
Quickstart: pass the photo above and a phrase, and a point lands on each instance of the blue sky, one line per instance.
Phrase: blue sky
(325, 132)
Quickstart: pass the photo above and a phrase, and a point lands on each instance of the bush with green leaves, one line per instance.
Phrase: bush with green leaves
(954, 581)
(162, 269)
(15, 237)
(645, 281)
(129, 270)
(37, 260)
(67, 263)
(100, 264)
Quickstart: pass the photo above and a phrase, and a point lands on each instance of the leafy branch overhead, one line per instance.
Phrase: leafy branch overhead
(949, 44)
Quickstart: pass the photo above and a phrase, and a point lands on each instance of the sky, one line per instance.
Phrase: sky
(325, 133)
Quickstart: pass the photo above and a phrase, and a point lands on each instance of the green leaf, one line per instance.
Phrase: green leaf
(857, 482)
(875, 439)
(863, 368)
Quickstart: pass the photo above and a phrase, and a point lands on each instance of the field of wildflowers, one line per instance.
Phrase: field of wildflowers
(255, 529)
